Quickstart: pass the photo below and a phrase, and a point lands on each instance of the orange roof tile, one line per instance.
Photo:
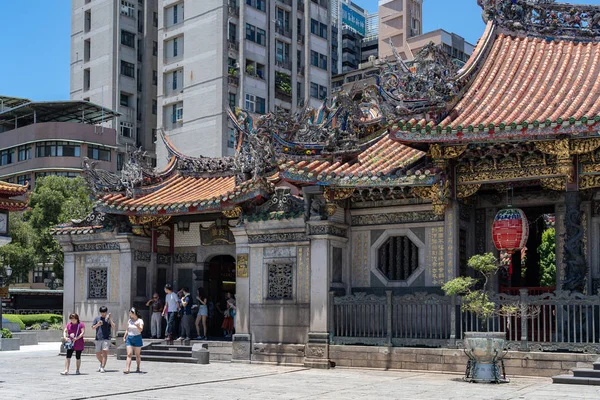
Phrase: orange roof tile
(524, 84)
(13, 189)
(383, 158)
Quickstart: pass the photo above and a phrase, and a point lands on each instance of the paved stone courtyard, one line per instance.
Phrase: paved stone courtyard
(33, 373)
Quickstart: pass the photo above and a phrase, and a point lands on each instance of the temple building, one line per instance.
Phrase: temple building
(383, 192)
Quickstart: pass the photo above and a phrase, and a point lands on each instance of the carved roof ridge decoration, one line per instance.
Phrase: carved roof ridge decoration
(545, 19)
(281, 204)
(198, 165)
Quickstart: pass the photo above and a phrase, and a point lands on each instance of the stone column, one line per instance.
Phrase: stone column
(242, 339)
(574, 258)
(451, 232)
(321, 234)
(68, 278)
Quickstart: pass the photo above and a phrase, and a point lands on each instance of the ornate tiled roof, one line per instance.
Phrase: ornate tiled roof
(75, 230)
(12, 205)
(386, 162)
(181, 194)
(12, 189)
(521, 83)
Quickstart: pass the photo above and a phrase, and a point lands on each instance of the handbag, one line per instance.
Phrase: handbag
(70, 343)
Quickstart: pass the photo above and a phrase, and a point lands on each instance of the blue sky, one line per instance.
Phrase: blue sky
(36, 40)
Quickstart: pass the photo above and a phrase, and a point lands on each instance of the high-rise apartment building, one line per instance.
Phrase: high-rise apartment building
(114, 53)
(349, 23)
(399, 20)
(254, 54)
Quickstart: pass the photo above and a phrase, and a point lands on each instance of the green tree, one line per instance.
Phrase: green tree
(55, 200)
(547, 252)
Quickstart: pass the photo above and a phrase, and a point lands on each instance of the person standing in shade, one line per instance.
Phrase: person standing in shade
(156, 321)
(202, 315)
(171, 309)
(73, 336)
(103, 325)
(186, 319)
(133, 339)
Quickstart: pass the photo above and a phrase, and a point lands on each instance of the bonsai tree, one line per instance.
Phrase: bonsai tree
(475, 292)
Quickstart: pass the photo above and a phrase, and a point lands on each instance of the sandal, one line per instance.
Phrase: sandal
(65, 373)
(126, 371)
(138, 370)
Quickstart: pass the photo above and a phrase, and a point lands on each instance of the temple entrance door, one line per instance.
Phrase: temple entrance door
(526, 271)
(221, 279)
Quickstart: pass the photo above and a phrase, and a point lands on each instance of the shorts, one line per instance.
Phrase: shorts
(134, 341)
(102, 345)
(203, 311)
(77, 354)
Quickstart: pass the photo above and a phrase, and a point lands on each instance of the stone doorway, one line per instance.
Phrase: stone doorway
(221, 279)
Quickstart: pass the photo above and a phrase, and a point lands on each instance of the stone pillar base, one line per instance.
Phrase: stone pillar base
(241, 344)
(317, 351)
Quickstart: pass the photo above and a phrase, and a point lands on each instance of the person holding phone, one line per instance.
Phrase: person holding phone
(133, 339)
(102, 325)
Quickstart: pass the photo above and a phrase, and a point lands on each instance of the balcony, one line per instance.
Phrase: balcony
(283, 31)
(233, 80)
(233, 45)
(283, 96)
(300, 39)
(288, 2)
(284, 64)
(300, 70)
(234, 10)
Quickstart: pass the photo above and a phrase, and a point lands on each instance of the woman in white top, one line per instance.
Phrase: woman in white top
(133, 338)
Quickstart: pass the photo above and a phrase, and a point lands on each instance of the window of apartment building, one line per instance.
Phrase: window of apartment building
(57, 173)
(318, 28)
(119, 161)
(155, 19)
(256, 35)
(175, 50)
(155, 48)
(282, 20)
(127, 9)
(231, 62)
(175, 80)
(86, 79)
(255, 104)
(255, 69)
(323, 61)
(127, 38)
(42, 272)
(177, 113)
(6, 156)
(23, 179)
(127, 129)
(87, 49)
(23, 153)
(154, 106)
(154, 135)
(87, 21)
(258, 4)
(127, 69)
(98, 153)
(154, 77)
(231, 140)
(10, 180)
(139, 81)
(299, 93)
(232, 32)
(282, 52)
(318, 60)
(323, 30)
(57, 149)
(318, 91)
(299, 26)
(124, 99)
(232, 99)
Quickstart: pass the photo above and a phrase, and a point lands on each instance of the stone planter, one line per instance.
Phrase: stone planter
(50, 335)
(10, 344)
(485, 351)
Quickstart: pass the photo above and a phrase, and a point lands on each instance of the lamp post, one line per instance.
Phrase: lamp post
(7, 274)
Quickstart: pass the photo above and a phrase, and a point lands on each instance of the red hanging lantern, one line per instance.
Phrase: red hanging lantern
(510, 232)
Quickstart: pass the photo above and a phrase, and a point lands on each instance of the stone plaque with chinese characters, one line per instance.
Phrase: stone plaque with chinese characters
(216, 234)
(242, 265)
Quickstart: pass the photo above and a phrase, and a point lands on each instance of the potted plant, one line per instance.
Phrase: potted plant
(232, 71)
(250, 69)
(484, 349)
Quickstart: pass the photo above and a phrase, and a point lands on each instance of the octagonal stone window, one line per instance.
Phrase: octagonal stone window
(398, 258)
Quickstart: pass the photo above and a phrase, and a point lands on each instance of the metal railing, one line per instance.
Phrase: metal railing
(560, 321)
(233, 44)
(284, 64)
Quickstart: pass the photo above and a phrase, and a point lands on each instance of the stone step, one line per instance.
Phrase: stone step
(575, 380)
(172, 359)
(597, 365)
(586, 373)
(166, 353)
(165, 347)
(278, 359)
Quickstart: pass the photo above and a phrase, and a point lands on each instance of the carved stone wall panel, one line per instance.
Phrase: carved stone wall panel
(184, 258)
(280, 283)
(256, 275)
(361, 244)
(97, 283)
(451, 241)
(142, 256)
(96, 246)
(395, 218)
(114, 279)
(303, 285)
(435, 256)
(277, 237)
(327, 230)
(163, 259)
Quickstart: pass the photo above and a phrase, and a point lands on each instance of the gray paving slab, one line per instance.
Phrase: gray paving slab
(33, 373)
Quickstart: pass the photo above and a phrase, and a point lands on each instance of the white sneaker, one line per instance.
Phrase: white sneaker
(102, 370)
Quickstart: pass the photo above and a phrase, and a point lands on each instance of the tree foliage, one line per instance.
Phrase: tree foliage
(54, 200)
(547, 252)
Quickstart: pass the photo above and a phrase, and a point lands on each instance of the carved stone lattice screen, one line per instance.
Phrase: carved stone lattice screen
(280, 281)
(398, 258)
(97, 283)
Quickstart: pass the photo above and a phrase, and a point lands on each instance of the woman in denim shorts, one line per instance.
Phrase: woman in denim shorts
(133, 338)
